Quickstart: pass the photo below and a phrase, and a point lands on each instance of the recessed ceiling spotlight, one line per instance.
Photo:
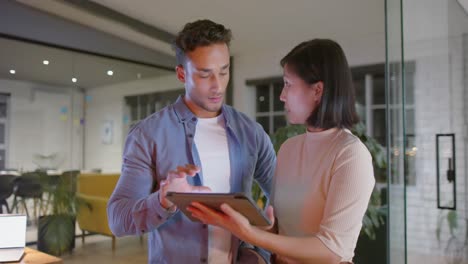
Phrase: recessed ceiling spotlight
(110, 73)
(12, 71)
(74, 80)
(45, 62)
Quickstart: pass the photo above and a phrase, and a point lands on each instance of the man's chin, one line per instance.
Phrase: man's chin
(214, 107)
(214, 110)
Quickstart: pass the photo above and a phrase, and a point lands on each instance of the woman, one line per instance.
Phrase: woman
(324, 178)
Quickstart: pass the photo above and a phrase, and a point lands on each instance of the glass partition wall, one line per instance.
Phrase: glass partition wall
(62, 110)
(426, 80)
(436, 204)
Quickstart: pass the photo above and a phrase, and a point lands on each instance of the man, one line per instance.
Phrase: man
(225, 149)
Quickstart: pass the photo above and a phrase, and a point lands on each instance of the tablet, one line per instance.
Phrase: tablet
(237, 201)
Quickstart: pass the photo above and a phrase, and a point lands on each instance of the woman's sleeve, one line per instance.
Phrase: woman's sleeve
(351, 185)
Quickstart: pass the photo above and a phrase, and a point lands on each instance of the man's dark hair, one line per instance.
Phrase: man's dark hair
(197, 34)
(324, 60)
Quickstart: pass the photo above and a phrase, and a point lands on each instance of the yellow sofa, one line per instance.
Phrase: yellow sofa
(95, 190)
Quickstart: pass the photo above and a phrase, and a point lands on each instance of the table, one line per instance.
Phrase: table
(32, 256)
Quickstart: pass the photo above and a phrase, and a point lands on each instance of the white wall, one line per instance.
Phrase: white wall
(37, 127)
(107, 104)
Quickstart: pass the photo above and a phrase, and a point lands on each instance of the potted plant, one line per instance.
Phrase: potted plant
(457, 242)
(56, 228)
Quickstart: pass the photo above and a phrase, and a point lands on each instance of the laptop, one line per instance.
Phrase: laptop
(12, 237)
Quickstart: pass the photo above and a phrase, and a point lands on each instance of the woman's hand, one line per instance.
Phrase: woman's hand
(229, 219)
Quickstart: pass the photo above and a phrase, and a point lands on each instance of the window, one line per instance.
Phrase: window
(369, 85)
(138, 107)
(269, 109)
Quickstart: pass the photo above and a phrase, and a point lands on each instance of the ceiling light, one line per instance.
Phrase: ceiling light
(45, 62)
(110, 73)
(12, 71)
(74, 80)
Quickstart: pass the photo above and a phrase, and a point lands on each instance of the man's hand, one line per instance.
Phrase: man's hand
(176, 181)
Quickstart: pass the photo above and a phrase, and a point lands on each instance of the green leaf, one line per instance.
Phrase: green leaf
(58, 232)
(452, 221)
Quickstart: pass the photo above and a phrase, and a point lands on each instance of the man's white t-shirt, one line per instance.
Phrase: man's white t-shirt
(211, 142)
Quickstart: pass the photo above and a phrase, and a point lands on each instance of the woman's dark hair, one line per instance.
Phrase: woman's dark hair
(199, 33)
(324, 60)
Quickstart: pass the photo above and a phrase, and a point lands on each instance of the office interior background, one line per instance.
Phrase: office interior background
(75, 76)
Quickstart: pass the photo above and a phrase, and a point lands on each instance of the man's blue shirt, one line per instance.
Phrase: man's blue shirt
(160, 143)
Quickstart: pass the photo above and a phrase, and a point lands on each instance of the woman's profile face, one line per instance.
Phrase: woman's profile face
(299, 97)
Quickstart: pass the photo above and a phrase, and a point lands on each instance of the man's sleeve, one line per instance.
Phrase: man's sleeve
(264, 172)
(132, 208)
(266, 161)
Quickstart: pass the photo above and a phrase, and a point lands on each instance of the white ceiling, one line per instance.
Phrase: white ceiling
(90, 70)
(257, 26)
(264, 24)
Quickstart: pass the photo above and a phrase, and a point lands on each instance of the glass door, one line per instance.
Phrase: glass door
(427, 130)
(395, 116)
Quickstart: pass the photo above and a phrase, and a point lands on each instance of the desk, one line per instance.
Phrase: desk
(32, 256)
